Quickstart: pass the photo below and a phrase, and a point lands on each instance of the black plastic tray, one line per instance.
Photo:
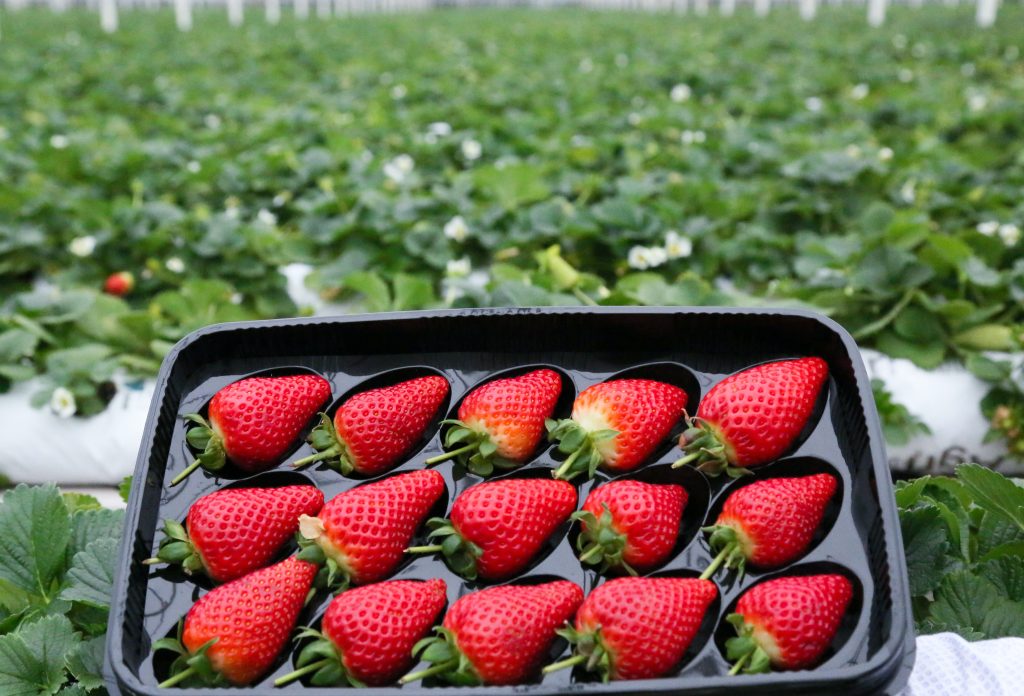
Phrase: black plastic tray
(693, 348)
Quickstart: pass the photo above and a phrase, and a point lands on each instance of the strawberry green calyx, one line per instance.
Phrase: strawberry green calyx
(743, 651)
(589, 650)
(582, 446)
(191, 667)
(730, 547)
(203, 437)
(316, 548)
(330, 448)
(320, 659)
(707, 451)
(177, 549)
(599, 543)
(460, 553)
(473, 448)
(447, 660)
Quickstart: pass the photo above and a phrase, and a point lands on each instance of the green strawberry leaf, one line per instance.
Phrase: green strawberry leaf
(32, 659)
(91, 525)
(926, 548)
(85, 663)
(994, 492)
(91, 575)
(34, 532)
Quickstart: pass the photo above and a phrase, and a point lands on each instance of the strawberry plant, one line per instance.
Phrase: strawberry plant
(56, 569)
(964, 541)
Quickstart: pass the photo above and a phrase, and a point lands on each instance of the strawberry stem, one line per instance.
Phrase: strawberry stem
(719, 559)
(450, 455)
(567, 464)
(739, 665)
(439, 668)
(184, 474)
(177, 678)
(316, 457)
(593, 552)
(433, 548)
(565, 664)
(299, 673)
(683, 461)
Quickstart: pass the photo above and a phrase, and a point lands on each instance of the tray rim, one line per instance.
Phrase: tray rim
(900, 647)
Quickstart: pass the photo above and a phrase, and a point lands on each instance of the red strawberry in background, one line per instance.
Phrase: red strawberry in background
(637, 628)
(498, 636)
(753, 417)
(630, 525)
(497, 527)
(237, 530)
(368, 634)
(254, 421)
(235, 632)
(373, 430)
(787, 623)
(769, 523)
(360, 535)
(617, 425)
(119, 284)
(501, 423)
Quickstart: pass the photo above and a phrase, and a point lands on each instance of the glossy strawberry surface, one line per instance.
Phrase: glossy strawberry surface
(252, 619)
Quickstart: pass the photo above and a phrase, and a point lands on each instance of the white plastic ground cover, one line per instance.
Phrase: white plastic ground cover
(37, 446)
(947, 665)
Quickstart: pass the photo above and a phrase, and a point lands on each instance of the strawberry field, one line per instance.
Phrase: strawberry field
(153, 182)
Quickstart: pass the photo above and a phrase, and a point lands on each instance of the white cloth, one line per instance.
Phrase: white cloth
(947, 665)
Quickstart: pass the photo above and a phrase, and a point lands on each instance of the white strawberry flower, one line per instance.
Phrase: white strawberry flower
(266, 217)
(656, 256)
(62, 402)
(859, 91)
(885, 154)
(639, 258)
(977, 102)
(399, 91)
(58, 142)
(175, 265)
(677, 246)
(680, 93)
(212, 121)
(905, 75)
(82, 246)
(456, 229)
(814, 104)
(458, 268)
(1009, 233)
(908, 192)
(193, 166)
(987, 228)
(471, 149)
(634, 119)
(439, 129)
(689, 137)
(399, 168)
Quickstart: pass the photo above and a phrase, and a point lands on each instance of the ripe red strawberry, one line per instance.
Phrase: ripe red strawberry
(237, 530)
(119, 284)
(787, 623)
(501, 423)
(361, 534)
(254, 421)
(373, 430)
(637, 628)
(769, 523)
(368, 634)
(497, 527)
(616, 424)
(498, 636)
(753, 416)
(235, 632)
(630, 524)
